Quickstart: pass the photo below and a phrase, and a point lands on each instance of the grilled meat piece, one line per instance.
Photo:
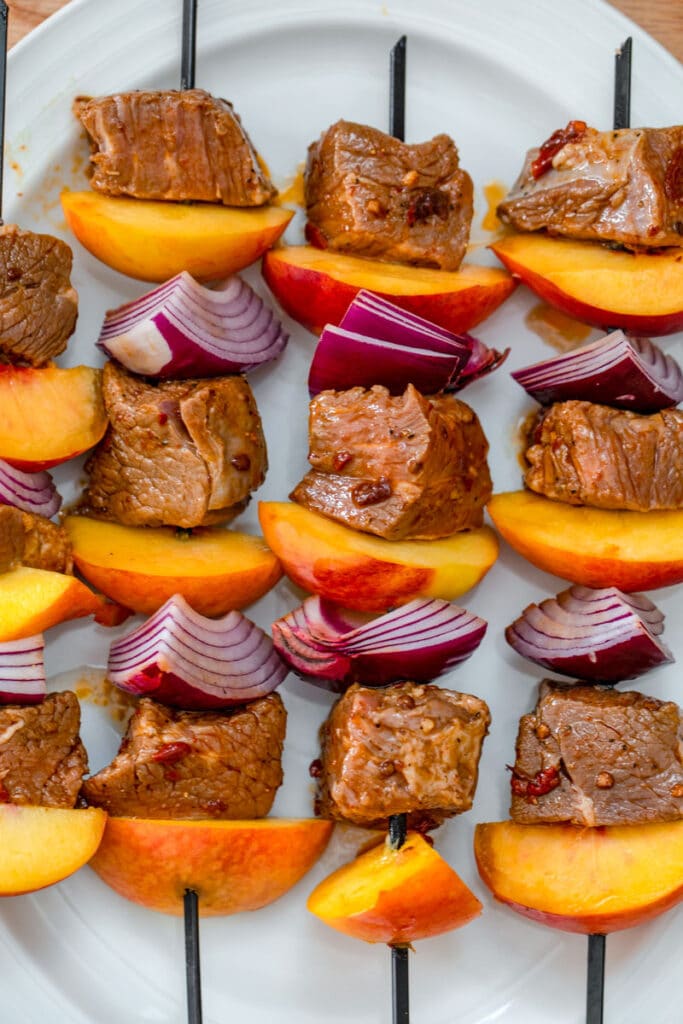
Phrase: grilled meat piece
(400, 467)
(38, 306)
(587, 454)
(42, 759)
(618, 186)
(402, 749)
(368, 194)
(593, 756)
(178, 453)
(172, 145)
(32, 540)
(195, 764)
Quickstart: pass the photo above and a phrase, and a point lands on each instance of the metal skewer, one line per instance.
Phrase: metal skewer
(189, 44)
(4, 15)
(595, 976)
(192, 966)
(398, 822)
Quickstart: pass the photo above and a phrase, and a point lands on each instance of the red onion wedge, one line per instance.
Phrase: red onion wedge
(31, 492)
(600, 636)
(333, 648)
(22, 671)
(185, 329)
(628, 373)
(183, 659)
(376, 342)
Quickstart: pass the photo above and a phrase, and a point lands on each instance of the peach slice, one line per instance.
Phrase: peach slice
(49, 414)
(232, 865)
(395, 896)
(214, 569)
(32, 600)
(592, 546)
(587, 880)
(154, 241)
(316, 286)
(642, 292)
(43, 845)
(369, 573)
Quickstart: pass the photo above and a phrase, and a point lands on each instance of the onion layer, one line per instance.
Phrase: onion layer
(22, 671)
(183, 659)
(184, 329)
(628, 373)
(333, 648)
(600, 636)
(379, 343)
(31, 492)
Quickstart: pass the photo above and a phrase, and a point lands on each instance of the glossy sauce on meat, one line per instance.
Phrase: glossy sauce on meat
(598, 757)
(172, 145)
(401, 467)
(588, 454)
(368, 194)
(400, 749)
(32, 540)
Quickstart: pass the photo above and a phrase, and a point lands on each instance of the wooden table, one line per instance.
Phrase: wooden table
(663, 19)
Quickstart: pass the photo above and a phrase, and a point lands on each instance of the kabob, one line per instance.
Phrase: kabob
(603, 637)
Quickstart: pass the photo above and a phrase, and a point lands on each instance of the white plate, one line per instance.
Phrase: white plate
(498, 76)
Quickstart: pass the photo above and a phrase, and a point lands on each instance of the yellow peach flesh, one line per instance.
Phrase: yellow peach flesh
(43, 845)
(33, 600)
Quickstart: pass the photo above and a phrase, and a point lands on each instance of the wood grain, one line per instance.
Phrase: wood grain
(663, 19)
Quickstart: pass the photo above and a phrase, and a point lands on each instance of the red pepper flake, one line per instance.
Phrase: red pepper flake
(340, 460)
(5, 798)
(163, 418)
(169, 753)
(429, 202)
(315, 768)
(241, 462)
(574, 131)
(370, 492)
(542, 782)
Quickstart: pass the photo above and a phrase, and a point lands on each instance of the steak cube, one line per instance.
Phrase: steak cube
(617, 186)
(172, 145)
(32, 540)
(38, 306)
(368, 194)
(42, 759)
(177, 453)
(404, 749)
(403, 467)
(195, 764)
(587, 454)
(592, 756)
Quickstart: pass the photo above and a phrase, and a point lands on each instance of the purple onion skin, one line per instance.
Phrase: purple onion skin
(381, 669)
(24, 698)
(626, 660)
(172, 690)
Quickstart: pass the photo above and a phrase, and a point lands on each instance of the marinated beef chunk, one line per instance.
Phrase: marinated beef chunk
(402, 749)
(38, 306)
(195, 764)
(172, 145)
(32, 540)
(178, 453)
(587, 454)
(618, 186)
(42, 759)
(400, 467)
(592, 756)
(368, 194)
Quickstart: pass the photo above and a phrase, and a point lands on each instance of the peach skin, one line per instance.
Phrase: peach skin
(587, 880)
(43, 845)
(32, 600)
(316, 286)
(154, 241)
(49, 415)
(639, 292)
(231, 865)
(215, 570)
(597, 548)
(395, 896)
(369, 573)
